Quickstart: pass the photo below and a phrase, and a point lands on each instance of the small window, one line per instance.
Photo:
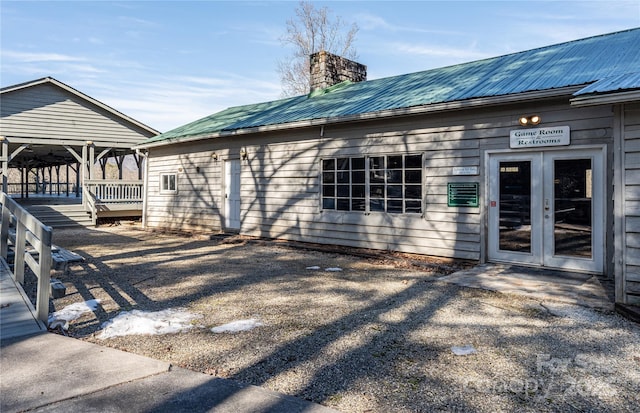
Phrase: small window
(168, 183)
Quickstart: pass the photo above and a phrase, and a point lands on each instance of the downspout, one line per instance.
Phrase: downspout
(145, 186)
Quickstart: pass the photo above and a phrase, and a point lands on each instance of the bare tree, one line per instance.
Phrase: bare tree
(312, 30)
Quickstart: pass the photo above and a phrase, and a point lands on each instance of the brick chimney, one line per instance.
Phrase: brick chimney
(328, 69)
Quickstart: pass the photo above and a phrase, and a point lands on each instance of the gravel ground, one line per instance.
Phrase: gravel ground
(374, 337)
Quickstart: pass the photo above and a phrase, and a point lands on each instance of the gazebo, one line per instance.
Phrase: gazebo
(51, 136)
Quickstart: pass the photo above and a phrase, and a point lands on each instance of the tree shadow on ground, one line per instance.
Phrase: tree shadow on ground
(387, 351)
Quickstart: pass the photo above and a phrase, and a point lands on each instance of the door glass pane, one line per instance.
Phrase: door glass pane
(515, 206)
(573, 187)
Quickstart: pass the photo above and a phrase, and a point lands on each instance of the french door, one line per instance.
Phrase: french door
(547, 209)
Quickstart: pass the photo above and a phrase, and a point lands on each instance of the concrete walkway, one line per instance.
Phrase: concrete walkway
(568, 287)
(51, 373)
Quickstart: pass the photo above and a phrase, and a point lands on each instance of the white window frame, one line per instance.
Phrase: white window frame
(165, 178)
(368, 184)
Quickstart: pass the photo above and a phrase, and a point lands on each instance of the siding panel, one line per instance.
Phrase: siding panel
(280, 186)
(48, 112)
(631, 175)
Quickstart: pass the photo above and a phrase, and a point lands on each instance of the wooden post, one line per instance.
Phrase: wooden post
(84, 173)
(37, 191)
(44, 179)
(57, 180)
(77, 180)
(92, 160)
(120, 162)
(139, 158)
(50, 180)
(67, 181)
(26, 179)
(21, 182)
(4, 228)
(44, 276)
(5, 164)
(103, 166)
(18, 250)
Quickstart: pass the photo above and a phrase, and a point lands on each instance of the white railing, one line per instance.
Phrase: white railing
(28, 230)
(49, 188)
(114, 191)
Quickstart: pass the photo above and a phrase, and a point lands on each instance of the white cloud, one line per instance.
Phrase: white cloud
(84, 68)
(136, 21)
(39, 56)
(367, 21)
(431, 50)
(166, 102)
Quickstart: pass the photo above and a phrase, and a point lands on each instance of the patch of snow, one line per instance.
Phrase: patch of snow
(315, 267)
(333, 269)
(237, 326)
(71, 312)
(172, 320)
(463, 350)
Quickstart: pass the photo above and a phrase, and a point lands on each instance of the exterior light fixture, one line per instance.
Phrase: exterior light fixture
(529, 120)
(243, 153)
(89, 142)
(214, 156)
(2, 138)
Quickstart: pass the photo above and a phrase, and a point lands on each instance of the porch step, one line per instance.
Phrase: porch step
(61, 216)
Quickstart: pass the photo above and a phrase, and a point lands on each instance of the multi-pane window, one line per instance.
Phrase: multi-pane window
(343, 184)
(391, 183)
(168, 183)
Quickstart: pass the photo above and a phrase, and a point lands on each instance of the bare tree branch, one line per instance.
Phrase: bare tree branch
(312, 30)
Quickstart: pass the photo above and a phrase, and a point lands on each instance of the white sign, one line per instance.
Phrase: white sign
(531, 138)
(465, 170)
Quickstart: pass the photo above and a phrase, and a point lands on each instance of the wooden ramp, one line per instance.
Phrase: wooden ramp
(17, 315)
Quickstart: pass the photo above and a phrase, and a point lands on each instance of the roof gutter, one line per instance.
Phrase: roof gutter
(408, 111)
(606, 99)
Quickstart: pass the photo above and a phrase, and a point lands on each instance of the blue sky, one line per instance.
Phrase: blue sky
(167, 63)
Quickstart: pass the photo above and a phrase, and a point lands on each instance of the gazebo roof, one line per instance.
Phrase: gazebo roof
(42, 118)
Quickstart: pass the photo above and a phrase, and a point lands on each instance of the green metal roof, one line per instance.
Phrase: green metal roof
(610, 62)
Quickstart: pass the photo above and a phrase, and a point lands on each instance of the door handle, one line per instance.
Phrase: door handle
(546, 204)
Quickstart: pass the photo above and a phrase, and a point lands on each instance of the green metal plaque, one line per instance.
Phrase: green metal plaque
(463, 194)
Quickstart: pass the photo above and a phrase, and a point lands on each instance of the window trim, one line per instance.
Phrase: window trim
(368, 184)
(168, 189)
